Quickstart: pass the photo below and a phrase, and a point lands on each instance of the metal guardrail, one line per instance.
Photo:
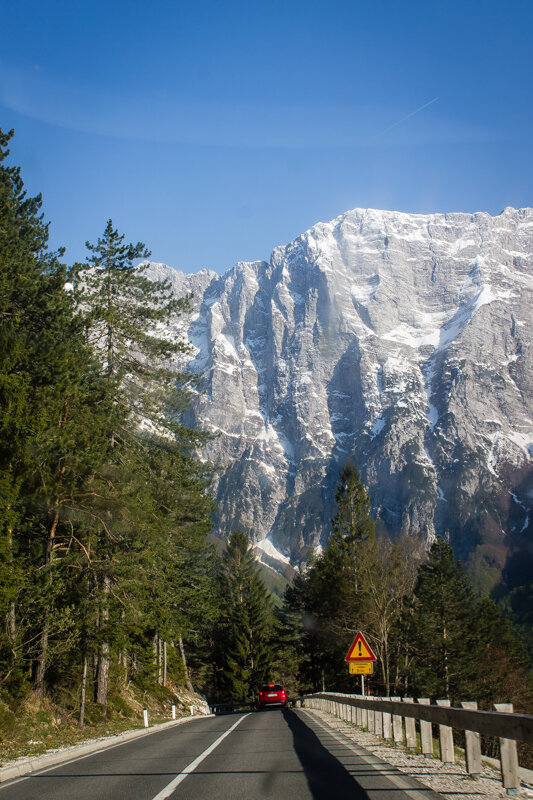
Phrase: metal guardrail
(490, 723)
(392, 718)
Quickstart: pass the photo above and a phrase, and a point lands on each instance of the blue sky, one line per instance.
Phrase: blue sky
(214, 131)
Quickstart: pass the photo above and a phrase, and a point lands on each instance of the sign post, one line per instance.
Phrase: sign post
(360, 659)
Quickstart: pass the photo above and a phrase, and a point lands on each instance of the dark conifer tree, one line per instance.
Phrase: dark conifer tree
(102, 521)
(445, 639)
(352, 522)
(329, 597)
(245, 633)
(121, 309)
(50, 395)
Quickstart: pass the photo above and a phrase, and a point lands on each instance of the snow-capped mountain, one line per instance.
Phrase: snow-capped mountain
(403, 341)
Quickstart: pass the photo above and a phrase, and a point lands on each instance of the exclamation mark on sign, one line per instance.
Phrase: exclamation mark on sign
(360, 649)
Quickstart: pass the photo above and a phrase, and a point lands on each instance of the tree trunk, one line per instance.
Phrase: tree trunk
(133, 665)
(446, 666)
(103, 651)
(38, 681)
(10, 616)
(188, 683)
(122, 656)
(164, 663)
(11, 623)
(155, 648)
(386, 671)
(103, 674)
(83, 693)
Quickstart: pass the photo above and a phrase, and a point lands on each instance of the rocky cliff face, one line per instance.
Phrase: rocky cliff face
(403, 341)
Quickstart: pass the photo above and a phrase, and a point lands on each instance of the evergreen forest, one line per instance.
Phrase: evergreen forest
(112, 595)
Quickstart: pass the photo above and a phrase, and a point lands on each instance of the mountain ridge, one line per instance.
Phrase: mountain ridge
(402, 341)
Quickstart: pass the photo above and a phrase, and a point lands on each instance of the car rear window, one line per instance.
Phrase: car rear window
(276, 687)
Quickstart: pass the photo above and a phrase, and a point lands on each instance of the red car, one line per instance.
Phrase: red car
(272, 694)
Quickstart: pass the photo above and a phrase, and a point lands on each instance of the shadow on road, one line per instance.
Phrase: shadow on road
(326, 777)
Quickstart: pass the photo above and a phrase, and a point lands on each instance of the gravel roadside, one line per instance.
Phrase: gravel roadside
(451, 782)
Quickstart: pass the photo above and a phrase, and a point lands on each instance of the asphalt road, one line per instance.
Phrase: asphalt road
(273, 754)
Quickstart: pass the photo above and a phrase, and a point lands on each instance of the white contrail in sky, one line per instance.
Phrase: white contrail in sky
(408, 116)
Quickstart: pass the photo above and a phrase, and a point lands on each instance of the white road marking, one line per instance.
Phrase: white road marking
(167, 791)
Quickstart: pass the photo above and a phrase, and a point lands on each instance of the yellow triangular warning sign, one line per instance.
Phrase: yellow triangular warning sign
(360, 650)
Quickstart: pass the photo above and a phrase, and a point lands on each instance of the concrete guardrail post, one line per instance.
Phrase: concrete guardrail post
(447, 755)
(508, 757)
(370, 720)
(410, 729)
(359, 717)
(364, 717)
(387, 723)
(426, 733)
(473, 746)
(397, 725)
(378, 723)
(145, 717)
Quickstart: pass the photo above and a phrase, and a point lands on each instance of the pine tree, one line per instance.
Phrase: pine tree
(444, 636)
(121, 309)
(352, 522)
(48, 393)
(247, 614)
(102, 521)
(330, 597)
